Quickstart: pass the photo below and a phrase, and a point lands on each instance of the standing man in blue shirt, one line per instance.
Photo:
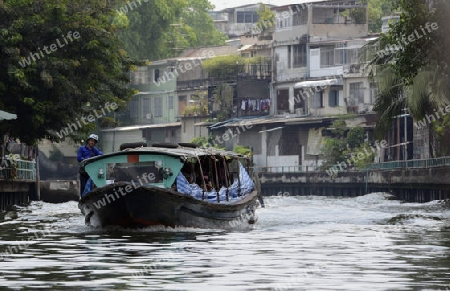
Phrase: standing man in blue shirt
(85, 152)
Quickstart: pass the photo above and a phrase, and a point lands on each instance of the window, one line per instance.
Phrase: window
(357, 92)
(158, 107)
(156, 75)
(317, 100)
(182, 103)
(300, 17)
(283, 100)
(299, 55)
(333, 98)
(347, 56)
(146, 107)
(282, 21)
(247, 17)
(327, 56)
(134, 108)
(170, 101)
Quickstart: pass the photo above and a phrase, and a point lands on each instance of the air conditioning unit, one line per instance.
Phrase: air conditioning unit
(148, 116)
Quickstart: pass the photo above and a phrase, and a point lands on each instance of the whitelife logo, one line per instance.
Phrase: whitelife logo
(33, 57)
(72, 127)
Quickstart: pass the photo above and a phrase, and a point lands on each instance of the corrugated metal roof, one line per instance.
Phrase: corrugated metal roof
(136, 127)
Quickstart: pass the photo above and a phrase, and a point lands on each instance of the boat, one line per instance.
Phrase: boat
(172, 185)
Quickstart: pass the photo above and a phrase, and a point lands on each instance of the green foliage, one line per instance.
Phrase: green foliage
(339, 127)
(222, 66)
(160, 29)
(416, 74)
(242, 150)
(196, 18)
(378, 9)
(266, 18)
(201, 141)
(355, 137)
(346, 144)
(195, 110)
(61, 85)
(358, 15)
(201, 108)
(364, 156)
(441, 129)
(223, 96)
(231, 65)
(333, 151)
(206, 142)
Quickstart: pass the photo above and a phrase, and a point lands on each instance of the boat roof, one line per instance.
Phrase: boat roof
(185, 151)
(180, 151)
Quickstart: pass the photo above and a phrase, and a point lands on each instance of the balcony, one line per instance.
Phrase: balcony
(249, 71)
(192, 84)
(353, 70)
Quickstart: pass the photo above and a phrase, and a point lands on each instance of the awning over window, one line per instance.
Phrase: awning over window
(319, 83)
(245, 47)
(7, 116)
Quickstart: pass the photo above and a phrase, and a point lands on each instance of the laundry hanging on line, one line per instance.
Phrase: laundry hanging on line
(255, 104)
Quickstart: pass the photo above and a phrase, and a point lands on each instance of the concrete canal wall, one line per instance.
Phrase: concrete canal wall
(16, 193)
(414, 185)
(13, 192)
(60, 191)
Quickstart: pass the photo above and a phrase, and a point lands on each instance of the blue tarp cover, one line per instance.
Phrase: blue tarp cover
(196, 191)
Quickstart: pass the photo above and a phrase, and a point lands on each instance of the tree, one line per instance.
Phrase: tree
(61, 61)
(199, 25)
(378, 9)
(334, 147)
(223, 97)
(408, 63)
(346, 146)
(163, 28)
(148, 26)
(266, 18)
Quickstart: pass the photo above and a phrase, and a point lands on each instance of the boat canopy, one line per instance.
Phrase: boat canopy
(208, 168)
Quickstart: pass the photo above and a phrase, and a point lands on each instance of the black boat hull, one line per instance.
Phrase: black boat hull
(147, 205)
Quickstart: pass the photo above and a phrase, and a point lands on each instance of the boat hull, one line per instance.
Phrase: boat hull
(147, 205)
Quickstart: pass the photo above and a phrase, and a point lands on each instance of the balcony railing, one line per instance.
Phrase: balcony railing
(250, 71)
(192, 84)
(284, 169)
(20, 170)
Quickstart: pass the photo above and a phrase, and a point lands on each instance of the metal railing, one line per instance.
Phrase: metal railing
(423, 163)
(284, 169)
(23, 170)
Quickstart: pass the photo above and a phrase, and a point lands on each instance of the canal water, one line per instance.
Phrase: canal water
(298, 243)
